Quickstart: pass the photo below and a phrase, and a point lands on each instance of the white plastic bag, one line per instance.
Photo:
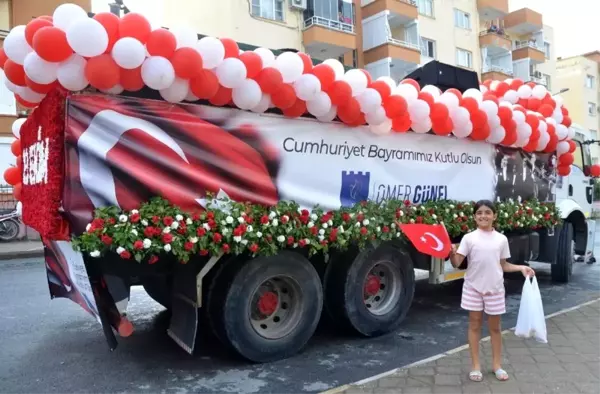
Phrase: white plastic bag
(531, 322)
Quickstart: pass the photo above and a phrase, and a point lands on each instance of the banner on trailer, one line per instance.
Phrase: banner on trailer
(122, 151)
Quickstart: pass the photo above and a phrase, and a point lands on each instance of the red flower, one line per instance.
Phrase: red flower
(201, 232)
(137, 245)
(112, 221)
(225, 248)
(398, 214)
(155, 219)
(406, 203)
(431, 211)
(106, 240)
(346, 217)
(305, 212)
(188, 246)
(253, 248)
(210, 215)
(284, 219)
(135, 218)
(314, 230)
(153, 260)
(125, 254)
(167, 238)
(304, 219)
(264, 219)
(324, 242)
(212, 224)
(269, 238)
(302, 243)
(195, 216)
(182, 229)
(419, 219)
(547, 216)
(217, 238)
(464, 227)
(168, 220)
(360, 217)
(385, 229)
(238, 231)
(290, 240)
(203, 252)
(333, 235)
(363, 230)
(249, 220)
(149, 232)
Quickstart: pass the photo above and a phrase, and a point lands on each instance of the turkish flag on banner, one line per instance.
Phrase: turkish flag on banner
(429, 239)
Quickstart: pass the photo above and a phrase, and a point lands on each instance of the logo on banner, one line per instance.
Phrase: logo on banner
(355, 187)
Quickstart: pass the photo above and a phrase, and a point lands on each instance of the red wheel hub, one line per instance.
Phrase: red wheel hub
(372, 285)
(267, 303)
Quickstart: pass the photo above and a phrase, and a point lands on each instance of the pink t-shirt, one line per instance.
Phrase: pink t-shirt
(484, 250)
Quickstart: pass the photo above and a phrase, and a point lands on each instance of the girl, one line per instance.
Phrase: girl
(483, 290)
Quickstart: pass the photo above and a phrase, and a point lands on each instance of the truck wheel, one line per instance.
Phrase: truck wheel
(563, 267)
(372, 292)
(159, 289)
(269, 306)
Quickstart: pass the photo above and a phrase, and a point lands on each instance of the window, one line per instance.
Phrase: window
(547, 49)
(428, 47)
(462, 19)
(546, 79)
(592, 109)
(590, 81)
(268, 9)
(425, 7)
(464, 58)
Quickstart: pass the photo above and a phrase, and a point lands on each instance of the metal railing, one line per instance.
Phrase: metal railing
(498, 33)
(404, 44)
(540, 81)
(528, 45)
(493, 68)
(329, 23)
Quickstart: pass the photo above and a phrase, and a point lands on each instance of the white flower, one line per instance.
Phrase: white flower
(194, 240)
(321, 237)
(179, 218)
(241, 219)
(434, 216)
(314, 217)
(412, 220)
(95, 253)
(134, 231)
(467, 203)
(352, 215)
(144, 222)
(275, 223)
(272, 215)
(135, 212)
(229, 219)
(307, 241)
(505, 214)
(167, 247)
(244, 242)
(357, 224)
(174, 225)
(461, 214)
(120, 250)
(310, 225)
(447, 210)
(451, 206)
(258, 234)
(324, 225)
(225, 231)
(341, 229)
(88, 227)
(188, 221)
(330, 222)
(366, 222)
(166, 230)
(502, 205)
(147, 243)
(455, 216)
(223, 223)
(378, 229)
(414, 208)
(321, 231)
(123, 219)
(401, 213)
(281, 238)
(237, 239)
(295, 244)
(249, 229)
(393, 225)
(206, 226)
(397, 235)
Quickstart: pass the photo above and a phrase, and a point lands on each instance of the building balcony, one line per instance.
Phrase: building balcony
(529, 51)
(495, 42)
(394, 59)
(492, 9)
(495, 73)
(401, 11)
(325, 38)
(523, 21)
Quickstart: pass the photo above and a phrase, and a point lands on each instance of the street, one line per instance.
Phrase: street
(54, 346)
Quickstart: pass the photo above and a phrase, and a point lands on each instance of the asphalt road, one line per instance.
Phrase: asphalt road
(54, 346)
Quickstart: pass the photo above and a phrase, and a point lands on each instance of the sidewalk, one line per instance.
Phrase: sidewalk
(568, 363)
(20, 250)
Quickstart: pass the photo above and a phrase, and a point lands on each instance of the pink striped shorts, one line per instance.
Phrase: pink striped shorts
(492, 304)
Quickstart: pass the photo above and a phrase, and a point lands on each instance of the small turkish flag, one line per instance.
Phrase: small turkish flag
(430, 239)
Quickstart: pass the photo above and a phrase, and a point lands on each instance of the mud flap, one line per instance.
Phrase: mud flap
(185, 304)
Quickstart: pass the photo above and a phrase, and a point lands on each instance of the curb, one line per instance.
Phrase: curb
(345, 387)
(22, 254)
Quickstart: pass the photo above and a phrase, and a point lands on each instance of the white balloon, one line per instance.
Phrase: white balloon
(338, 68)
(539, 91)
(357, 80)
(71, 73)
(494, 85)
(523, 134)
(369, 100)
(543, 141)
(329, 116)
(129, 53)
(460, 116)
(559, 100)
(19, 208)
(177, 92)
(212, 51)
(117, 89)
(497, 135)
(449, 100)
(290, 66)
(494, 121)
(29, 95)
(67, 14)
(191, 97)
(509, 81)
(307, 87)
(524, 91)
(561, 132)
(407, 91)
(266, 55)
(418, 110)
(231, 73)
(463, 130)
(483, 89)
(376, 117)
(320, 105)
(15, 45)
(185, 36)
(474, 93)
(158, 72)
(543, 127)
(432, 90)
(511, 96)
(389, 82)
(551, 121)
(9, 85)
(39, 70)
(264, 104)
(247, 95)
(489, 107)
(562, 147)
(16, 127)
(87, 37)
(422, 127)
(571, 133)
(558, 116)
(383, 128)
(519, 117)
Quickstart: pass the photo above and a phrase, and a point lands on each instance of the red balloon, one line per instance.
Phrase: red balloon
(567, 121)
(102, 72)
(502, 88)
(3, 58)
(533, 121)
(480, 133)
(135, 25)
(32, 28)
(38, 88)
(563, 170)
(131, 80)
(253, 63)
(350, 111)
(546, 110)
(566, 159)
(531, 84)
(534, 103)
(382, 88)
(487, 96)
(427, 97)
(297, 109)
(523, 102)
(479, 119)
(368, 75)
(205, 86)
(14, 73)
(412, 82)
(439, 113)
(15, 148)
(284, 97)
(564, 111)
(51, 44)
(307, 61)
(395, 106)
(511, 134)
(270, 80)
(442, 126)
(551, 147)
(47, 17)
(161, 42)
(572, 146)
(505, 114)
(325, 74)
(516, 84)
(111, 25)
(12, 175)
(548, 100)
(17, 189)
(340, 93)
(455, 92)
(402, 123)
(470, 104)
(187, 63)
(20, 162)
(595, 170)
(531, 145)
(231, 47)
(223, 97)
(360, 120)
(25, 103)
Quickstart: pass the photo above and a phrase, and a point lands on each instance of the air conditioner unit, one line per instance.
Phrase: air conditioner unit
(537, 74)
(298, 4)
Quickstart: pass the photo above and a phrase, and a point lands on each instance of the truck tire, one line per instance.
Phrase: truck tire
(159, 288)
(562, 269)
(372, 292)
(267, 308)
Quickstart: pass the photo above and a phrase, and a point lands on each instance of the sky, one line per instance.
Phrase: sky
(575, 22)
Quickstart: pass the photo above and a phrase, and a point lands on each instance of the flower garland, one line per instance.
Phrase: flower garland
(159, 228)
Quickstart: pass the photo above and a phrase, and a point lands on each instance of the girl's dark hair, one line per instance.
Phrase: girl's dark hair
(485, 203)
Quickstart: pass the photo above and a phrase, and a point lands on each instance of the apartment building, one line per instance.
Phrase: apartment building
(580, 75)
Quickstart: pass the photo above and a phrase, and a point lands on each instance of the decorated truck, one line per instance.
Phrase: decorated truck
(252, 194)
